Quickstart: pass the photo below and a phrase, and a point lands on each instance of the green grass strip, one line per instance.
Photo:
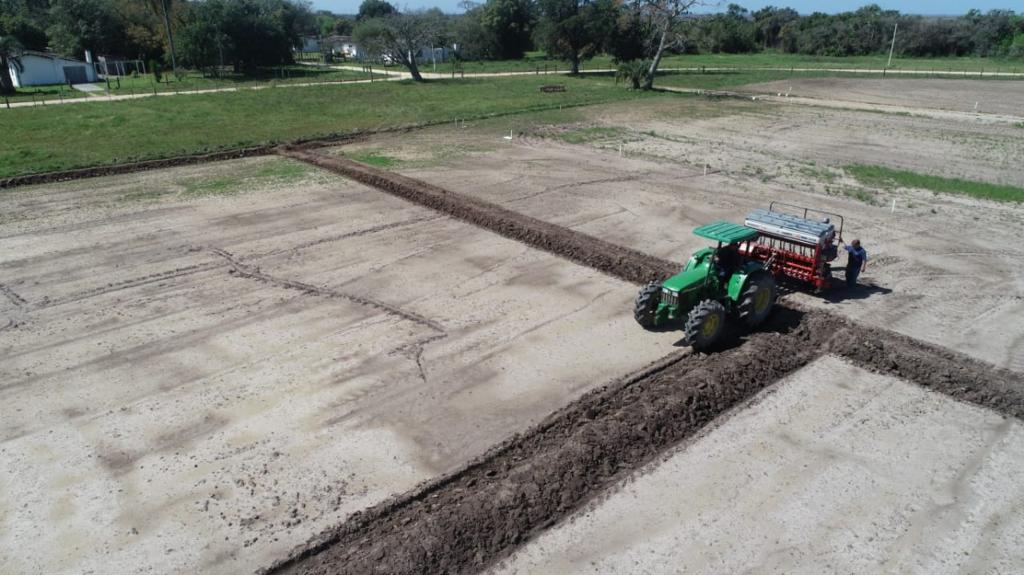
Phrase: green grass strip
(52, 138)
(880, 176)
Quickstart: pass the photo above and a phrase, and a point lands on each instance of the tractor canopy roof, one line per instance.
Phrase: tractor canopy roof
(726, 232)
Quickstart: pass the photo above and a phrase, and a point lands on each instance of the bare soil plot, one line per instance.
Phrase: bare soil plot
(256, 350)
(833, 469)
(993, 97)
(205, 366)
(943, 268)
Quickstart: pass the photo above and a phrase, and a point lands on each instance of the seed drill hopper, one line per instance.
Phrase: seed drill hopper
(797, 244)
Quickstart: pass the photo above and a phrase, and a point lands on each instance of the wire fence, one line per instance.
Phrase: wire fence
(122, 88)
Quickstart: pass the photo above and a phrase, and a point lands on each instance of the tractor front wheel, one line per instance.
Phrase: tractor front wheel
(705, 324)
(645, 307)
(757, 300)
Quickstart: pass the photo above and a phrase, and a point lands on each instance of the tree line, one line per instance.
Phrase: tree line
(245, 35)
(866, 31)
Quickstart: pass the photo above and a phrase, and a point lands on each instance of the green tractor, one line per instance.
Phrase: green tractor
(716, 284)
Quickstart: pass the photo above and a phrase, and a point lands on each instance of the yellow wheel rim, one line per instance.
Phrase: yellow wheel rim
(711, 325)
(761, 300)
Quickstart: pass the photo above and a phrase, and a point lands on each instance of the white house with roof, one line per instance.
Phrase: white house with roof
(43, 68)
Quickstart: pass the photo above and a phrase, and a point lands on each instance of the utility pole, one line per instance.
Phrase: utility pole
(893, 45)
(170, 35)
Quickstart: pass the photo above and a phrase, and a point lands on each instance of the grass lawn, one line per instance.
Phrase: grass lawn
(63, 137)
(191, 81)
(42, 94)
(538, 60)
(291, 74)
(730, 79)
(882, 177)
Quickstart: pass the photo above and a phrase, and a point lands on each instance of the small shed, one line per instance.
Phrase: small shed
(43, 68)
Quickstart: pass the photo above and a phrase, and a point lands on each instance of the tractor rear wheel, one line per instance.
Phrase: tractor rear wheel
(705, 324)
(757, 299)
(645, 307)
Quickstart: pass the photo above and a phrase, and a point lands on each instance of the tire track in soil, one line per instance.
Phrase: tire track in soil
(245, 270)
(477, 515)
(17, 318)
(17, 300)
(414, 350)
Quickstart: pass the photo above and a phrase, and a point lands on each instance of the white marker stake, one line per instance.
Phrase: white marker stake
(893, 210)
(976, 106)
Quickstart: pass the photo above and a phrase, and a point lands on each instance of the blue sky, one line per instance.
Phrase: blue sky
(907, 6)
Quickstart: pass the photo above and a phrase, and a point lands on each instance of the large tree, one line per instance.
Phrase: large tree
(248, 34)
(575, 30)
(26, 21)
(400, 37)
(510, 25)
(10, 56)
(375, 9)
(80, 25)
(629, 41)
(163, 9)
(770, 22)
(473, 40)
(666, 19)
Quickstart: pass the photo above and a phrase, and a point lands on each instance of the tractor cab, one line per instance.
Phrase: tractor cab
(716, 283)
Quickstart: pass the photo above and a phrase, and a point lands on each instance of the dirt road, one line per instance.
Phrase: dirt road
(970, 96)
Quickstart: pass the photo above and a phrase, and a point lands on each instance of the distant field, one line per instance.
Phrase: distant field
(42, 94)
(539, 62)
(63, 137)
(883, 177)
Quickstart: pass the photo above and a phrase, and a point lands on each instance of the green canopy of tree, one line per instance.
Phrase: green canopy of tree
(509, 24)
(401, 37)
(245, 34)
(375, 9)
(575, 30)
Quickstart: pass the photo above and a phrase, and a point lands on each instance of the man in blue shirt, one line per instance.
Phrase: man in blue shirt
(856, 262)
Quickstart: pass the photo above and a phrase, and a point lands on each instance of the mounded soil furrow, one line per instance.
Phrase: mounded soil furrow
(131, 167)
(932, 367)
(478, 515)
(614, 260)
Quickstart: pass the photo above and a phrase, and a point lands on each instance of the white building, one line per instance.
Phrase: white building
(43, 68)
(345, 47)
